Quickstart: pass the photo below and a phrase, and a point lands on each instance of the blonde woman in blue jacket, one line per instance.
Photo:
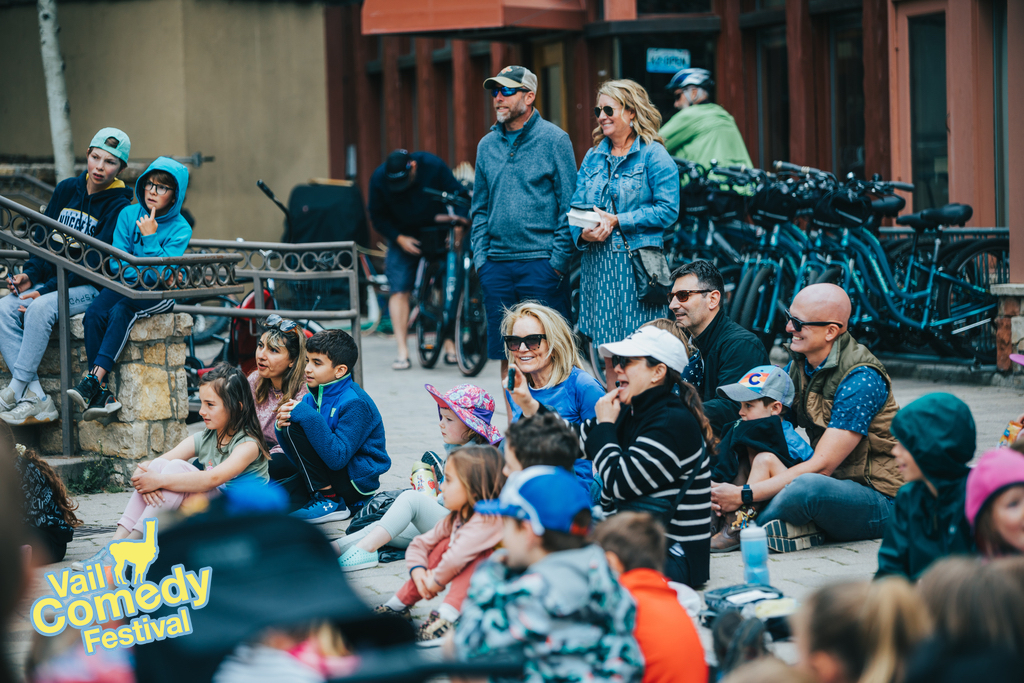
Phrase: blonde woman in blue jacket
(153, 227)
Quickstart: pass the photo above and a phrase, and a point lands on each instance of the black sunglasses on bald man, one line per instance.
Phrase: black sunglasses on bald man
(800, 324)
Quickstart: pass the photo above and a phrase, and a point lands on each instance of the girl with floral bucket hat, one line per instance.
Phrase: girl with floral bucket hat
(465, 414)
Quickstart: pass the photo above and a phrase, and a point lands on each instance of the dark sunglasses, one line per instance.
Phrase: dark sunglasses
(608, 111)
(532, 341)
(505, 91)
(283, 324)
(683, 295)
(800, 324)
(624, 361)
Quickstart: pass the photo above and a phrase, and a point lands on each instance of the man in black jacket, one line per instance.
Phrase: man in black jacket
(727, 350)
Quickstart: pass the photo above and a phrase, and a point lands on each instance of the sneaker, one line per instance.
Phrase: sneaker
(355, 558)
(433, 630)
(7, 400)
(85, 392)
(319, 510)
(104, 403)
(102, 557)
(784, 537)
(436, 462)
(405, 613)
(31, 411)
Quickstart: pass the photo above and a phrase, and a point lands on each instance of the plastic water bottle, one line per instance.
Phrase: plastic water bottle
(754, 546)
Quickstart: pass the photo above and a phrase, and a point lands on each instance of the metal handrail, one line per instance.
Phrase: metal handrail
(68, 250)
(27, 187)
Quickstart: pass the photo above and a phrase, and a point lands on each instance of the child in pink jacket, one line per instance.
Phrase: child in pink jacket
(451, 551)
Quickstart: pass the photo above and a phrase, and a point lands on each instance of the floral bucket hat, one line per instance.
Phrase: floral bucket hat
(473, 405)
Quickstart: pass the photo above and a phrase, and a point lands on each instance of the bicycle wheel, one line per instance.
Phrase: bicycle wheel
(471, 327)
(596, 362)
(430, 319)
(206, 327)
(832, 275)
(730, 276)
(972, 332)
(735, 308)
(759, 309)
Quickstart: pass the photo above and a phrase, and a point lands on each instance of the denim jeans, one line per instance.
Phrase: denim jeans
(843, 509)
(24, 336)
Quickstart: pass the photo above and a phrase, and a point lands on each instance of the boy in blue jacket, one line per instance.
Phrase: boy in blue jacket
(335, 434)
(153, 227)
(89, 203)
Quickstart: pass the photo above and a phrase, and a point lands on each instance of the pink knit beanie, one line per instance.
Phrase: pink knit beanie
(994, 472)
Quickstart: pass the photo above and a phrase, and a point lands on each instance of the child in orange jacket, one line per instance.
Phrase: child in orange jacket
(634, 544)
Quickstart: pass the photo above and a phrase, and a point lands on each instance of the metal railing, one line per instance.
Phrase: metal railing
(195, 276)
(26, 187)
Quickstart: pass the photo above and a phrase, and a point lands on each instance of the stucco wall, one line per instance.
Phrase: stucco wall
(242, 81)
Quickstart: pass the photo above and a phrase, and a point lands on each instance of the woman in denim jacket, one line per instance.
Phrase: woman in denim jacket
(633, 184)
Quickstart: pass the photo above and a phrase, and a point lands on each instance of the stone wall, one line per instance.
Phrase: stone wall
(149, 381)
(1010, 329)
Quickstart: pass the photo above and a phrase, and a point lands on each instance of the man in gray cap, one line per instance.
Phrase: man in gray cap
(525, 179)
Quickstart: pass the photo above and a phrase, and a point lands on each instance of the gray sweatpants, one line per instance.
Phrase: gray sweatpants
(412, 514)
(24, 336)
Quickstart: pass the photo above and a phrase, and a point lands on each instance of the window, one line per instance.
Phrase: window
(672, 6)
(929, 150)
(632, 62)
(549, 61)
(847, 78)
(1002, 112)
(772, 96)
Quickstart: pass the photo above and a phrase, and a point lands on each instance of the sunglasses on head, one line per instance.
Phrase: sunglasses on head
(532, 341)
(683, 295)
(283, 324)
(505, 91)
(800, 324)
(608, 111)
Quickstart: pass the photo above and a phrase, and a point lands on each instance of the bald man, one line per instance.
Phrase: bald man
(844, 400)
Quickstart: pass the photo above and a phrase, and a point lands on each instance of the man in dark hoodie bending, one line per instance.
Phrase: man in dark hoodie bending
(89, 203)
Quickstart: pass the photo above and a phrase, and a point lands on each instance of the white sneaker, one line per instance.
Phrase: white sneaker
(30, 411)
(7, 400)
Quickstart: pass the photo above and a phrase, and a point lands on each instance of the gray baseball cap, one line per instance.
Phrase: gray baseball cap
(764, 381)
(513, 77)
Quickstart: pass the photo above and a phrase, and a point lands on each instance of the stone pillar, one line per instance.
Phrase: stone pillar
(1010, 329)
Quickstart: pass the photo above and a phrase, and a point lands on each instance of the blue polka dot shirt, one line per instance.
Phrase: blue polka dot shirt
(860, 396)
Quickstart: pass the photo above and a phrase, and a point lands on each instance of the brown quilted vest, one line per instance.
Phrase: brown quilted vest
(871, 463)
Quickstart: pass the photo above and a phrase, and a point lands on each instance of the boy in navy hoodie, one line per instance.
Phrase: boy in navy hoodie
(335, 434)
(152, 228)
(89, 203)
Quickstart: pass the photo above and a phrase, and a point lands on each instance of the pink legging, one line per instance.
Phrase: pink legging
(458, 587)
(137, 511)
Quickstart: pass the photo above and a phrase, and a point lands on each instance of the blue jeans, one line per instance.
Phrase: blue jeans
(24, 336)
(843, 509)
(506, 283)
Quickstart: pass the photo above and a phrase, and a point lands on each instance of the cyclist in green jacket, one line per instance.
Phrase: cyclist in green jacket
(702, 130)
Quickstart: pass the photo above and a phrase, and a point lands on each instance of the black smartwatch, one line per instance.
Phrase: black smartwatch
(747, 495)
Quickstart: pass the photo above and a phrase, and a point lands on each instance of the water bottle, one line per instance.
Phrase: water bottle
(754, 546)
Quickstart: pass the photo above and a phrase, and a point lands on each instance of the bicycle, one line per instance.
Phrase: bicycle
(451, 300)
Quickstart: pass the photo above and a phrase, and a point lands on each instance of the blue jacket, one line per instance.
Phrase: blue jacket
(645, 191)
(172, 233)
(94, 214)
(521, 195)
(343, 424)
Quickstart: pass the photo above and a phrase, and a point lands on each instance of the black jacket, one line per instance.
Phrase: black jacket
(938, 431)
(409, 211)
(729, 351)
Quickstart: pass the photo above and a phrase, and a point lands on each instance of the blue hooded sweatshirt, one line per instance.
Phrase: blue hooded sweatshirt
(172, 233)
(93, 214)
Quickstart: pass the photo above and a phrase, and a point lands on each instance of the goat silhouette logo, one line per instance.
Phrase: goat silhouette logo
(99, 600)
(138, 553)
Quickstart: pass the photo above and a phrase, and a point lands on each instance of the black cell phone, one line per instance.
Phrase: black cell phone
(511, 379)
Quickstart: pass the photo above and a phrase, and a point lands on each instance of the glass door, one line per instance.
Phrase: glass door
(929, 140)
(772, 96)
(846, 47)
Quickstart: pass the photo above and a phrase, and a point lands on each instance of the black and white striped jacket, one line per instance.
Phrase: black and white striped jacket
(651, 451)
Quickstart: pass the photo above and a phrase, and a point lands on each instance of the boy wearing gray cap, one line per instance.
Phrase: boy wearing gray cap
(758, 447)
(89, 203)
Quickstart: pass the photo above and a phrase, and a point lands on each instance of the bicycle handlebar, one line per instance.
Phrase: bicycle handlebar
(901, 186)
(448, 198)
(793, 168)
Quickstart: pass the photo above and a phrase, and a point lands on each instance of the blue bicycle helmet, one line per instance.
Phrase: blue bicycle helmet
(687, 77)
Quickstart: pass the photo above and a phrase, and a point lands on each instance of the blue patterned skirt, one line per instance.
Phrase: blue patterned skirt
(609, 309)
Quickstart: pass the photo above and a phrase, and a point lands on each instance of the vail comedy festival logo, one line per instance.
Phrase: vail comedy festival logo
(86, 600)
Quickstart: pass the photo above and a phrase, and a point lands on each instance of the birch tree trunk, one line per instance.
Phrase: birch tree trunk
(56, 91)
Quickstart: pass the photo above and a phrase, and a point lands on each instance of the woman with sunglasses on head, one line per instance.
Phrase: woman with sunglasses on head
(278, 377)
(632, 183)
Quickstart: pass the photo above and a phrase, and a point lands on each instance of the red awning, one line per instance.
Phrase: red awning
(461, 16)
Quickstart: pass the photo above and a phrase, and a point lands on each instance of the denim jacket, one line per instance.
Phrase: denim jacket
(645, 189)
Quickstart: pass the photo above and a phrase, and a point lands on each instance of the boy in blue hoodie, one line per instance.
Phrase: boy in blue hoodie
(89, 203)
(335, 434)
(152, 228)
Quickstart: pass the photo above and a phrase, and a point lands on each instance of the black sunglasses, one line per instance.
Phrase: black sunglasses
(800, 324)
(506, 91)
(624, 361)
(532, 341)
(608, 111)
(283, 324)
(683, 295)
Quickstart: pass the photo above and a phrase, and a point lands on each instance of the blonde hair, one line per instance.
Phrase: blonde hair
(564, 355)
(871, 628)
(632, 96)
